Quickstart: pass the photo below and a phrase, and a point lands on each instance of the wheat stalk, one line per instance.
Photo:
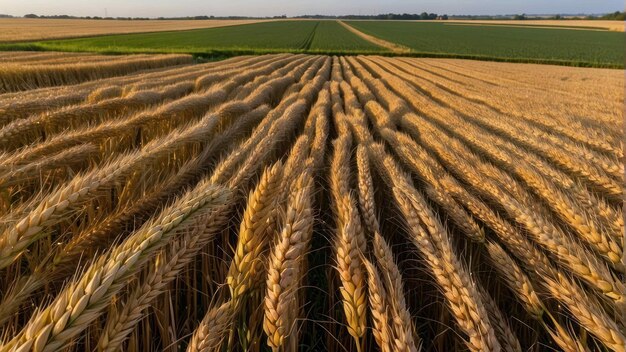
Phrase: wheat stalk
(30, 172)
(318, 145)
(285, 271)
(527, 213)
(118, 223)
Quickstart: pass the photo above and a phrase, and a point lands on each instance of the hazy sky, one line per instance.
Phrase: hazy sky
(174, 8)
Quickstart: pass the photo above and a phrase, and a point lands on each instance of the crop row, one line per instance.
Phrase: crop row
(290, 201)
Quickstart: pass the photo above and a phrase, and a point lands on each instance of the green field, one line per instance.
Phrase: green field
(310, 36)
(331, 36)
(539, 45)
(597, 48)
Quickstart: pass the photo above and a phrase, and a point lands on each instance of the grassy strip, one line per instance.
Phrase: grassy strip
(217, 54)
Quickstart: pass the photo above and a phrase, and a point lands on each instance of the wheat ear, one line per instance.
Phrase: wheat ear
(284, 270)
(255, 231)
(349, 248)
(378, 308)
(403, 329)
(210, 334)
(366, 190)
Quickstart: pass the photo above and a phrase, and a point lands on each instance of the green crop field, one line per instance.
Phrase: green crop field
(557, 46)
(250, 38)
(331, 36)
(597, 48)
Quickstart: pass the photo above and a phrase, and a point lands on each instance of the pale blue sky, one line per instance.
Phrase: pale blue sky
(174, 8)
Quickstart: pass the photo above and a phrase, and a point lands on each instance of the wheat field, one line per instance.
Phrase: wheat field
(29, 29)
(297, 202)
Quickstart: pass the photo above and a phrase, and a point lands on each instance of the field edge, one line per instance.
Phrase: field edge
(216, 54)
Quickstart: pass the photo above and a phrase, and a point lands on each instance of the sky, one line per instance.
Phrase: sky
(181, 8)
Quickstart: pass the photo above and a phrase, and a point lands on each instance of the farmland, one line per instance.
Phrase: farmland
(291, 201)
(252, 38)
(499, 42)
(21, 29)
(617, 26)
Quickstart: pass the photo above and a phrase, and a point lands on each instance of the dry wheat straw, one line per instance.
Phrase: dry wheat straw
(25, 131)
(21, 77)
(104, 93)
(30, 173)
(594, 318)
(605, 282)
(191, 106)
(410, 153)
(318, 147)
(580, 220)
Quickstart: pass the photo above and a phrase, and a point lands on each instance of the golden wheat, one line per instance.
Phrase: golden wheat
(294, 201)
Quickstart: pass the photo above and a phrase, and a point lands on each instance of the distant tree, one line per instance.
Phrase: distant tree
(520, 17)
(615, 16)
(424, 15)
(444, 17)
(31, 15)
